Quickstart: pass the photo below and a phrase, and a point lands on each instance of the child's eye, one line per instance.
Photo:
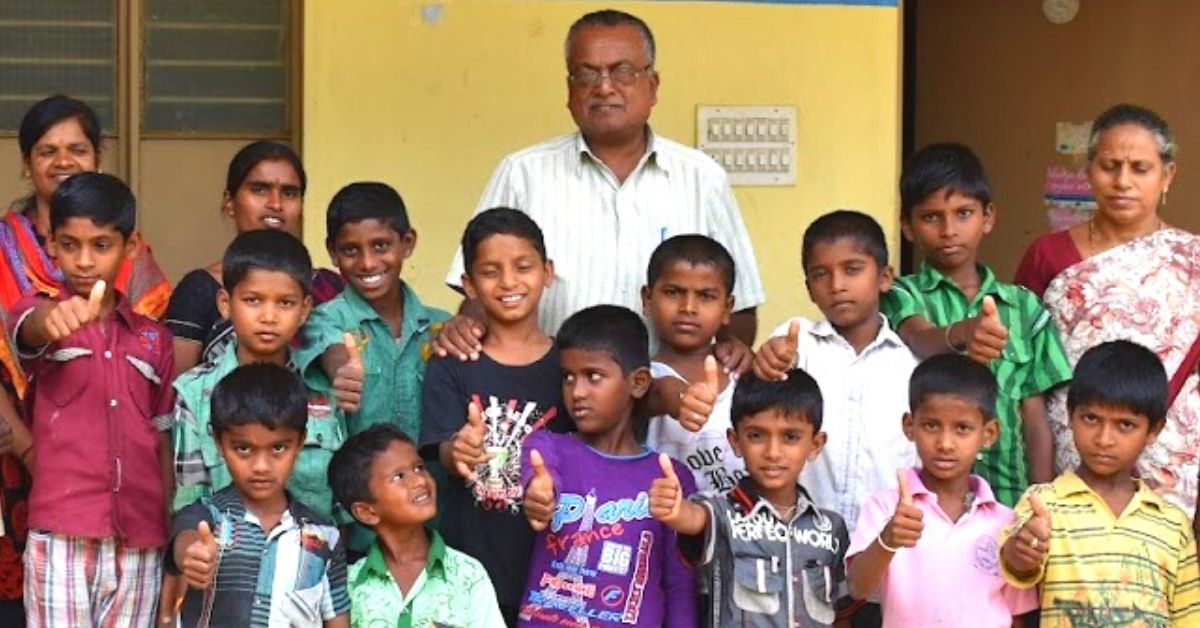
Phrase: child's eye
(568, 378)
(929, 218)
(398, 476)
(380, 247)
(241, 450)
(791, 437)
(964, 428)
(594, 377)
(965, 212)
(251, 300)
(348, 251)
(1126, 426)
(279, 448)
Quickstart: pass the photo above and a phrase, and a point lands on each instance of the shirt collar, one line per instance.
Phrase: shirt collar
(929, 279)
(747, 496)
(585, 154)
(375, 565)
(228, 357)
(416, 319)
(980, 489)
(824, 329)
(1069, 483)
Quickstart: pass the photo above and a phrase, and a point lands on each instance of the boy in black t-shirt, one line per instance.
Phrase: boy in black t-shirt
(477, 414)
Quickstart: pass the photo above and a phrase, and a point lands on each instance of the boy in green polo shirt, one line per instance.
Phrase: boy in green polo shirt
(409, 577)
(368, 236)
(955, 303)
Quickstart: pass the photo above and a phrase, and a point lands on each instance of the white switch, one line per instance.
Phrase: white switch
(727, 129)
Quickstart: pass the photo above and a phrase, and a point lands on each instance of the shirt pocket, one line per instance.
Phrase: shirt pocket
(71, 364)
(757, 584)
(819, 591)
(301, 607)
(143, 382)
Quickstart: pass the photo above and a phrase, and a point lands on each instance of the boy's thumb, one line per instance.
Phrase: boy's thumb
(989, 307)
(902, 483)
(206, 535)
(1039, 509)
(793, 336)
(710, 373)
(351, 344)
(96, 297)
(473, 416)
(539, 465)
(668, 469)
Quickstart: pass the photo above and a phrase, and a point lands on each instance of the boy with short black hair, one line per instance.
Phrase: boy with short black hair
(253, 555)
(771, 555)
(600, 557)
(955, 303)
(369, 237)
(99, 401)
(861, 365)
(1099, 544)
(267, 276)
(477, 415)
(409, 577)
(937, 531)
(688, 298)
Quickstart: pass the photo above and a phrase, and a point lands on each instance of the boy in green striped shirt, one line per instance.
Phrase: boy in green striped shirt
(955, 303)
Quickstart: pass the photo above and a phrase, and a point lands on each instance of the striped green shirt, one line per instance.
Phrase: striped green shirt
(1032, 363)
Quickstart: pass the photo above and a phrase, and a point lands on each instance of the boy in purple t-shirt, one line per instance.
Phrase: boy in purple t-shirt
(600, 559)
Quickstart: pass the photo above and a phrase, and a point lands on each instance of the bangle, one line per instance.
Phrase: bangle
(887, 548)
(949, 343)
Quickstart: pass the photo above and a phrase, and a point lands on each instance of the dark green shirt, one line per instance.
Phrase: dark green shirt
(1032, 363)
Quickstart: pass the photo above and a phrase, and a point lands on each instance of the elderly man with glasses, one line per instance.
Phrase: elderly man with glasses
(608, 194)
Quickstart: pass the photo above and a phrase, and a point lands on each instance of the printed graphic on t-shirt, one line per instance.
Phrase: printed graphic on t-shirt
(597, 549)
(507, 425)
(709, 457)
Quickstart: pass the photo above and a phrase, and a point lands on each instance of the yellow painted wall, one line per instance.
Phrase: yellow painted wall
(431, 105)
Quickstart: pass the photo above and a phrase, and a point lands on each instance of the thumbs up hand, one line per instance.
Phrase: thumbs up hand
(348, 379)
(540, 500)
(905, 527)
(200, 558)
(666, 495)
(778, 355)
(699, 398)
(468, 449)
(1027, 549)
(986, 335)
(70, 315)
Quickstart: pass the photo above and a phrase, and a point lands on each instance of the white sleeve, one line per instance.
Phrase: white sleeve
(503, 190)
(725, 225)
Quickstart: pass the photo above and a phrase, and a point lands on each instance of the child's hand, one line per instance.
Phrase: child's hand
(1026, 551)
(348, 379)
(777, 355)
(698, 400)
(733, 354)
(460, 338)
(539, 495)
(468, 445)
(666, 496)
(200, 558)
(71, 315)
(986, 334)
(904, 528)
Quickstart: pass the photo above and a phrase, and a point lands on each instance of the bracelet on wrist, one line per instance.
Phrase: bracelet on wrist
(887, 548)
(949, 342)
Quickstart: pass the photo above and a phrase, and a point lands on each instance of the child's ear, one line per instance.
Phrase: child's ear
(131, 244)
(227, 204)
(646, 301)
(818, 444)
(468, 286)
(991, 431)
(907, 424)
(906, 228)
(1155, 430)
(729, 303)
(223, 303)
(640, 380)
(731, 436)
(886, 276)
(989, 217)
(549, 267)
(408, 243)
(365, 514)
(306, 309)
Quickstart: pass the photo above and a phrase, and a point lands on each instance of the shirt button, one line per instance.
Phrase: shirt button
(257, 600)
(112, 403)
(107, 354)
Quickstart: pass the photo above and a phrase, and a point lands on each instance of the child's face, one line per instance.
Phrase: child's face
(87, 253)
(775, 447)
(405, 495)
(370, 255)
(845, 282)
(260, 459)
(268, 198)
(949, 431)
(267, 308)
(507, 277)
(688, 304)
(1109, 439)
(598, 395)
(947, 228)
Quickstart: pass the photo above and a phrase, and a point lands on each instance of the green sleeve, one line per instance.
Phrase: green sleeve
(902, 302)
(1049, 365)
(323, 330)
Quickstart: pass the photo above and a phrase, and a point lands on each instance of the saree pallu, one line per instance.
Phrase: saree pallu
(1146, 291)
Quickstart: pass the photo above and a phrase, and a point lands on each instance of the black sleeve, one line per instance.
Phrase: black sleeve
(192, 309)
(443, 404)
(186, 519)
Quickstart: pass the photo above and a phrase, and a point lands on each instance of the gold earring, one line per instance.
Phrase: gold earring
(25, 174)
(1164, 196)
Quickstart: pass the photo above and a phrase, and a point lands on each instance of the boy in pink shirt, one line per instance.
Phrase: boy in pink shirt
(953, 401)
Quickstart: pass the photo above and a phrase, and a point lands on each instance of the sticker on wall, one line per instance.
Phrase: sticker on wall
(1068, 197)
(1071, 138)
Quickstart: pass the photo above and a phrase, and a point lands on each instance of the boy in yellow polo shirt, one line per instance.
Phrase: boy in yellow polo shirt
(1105, 548)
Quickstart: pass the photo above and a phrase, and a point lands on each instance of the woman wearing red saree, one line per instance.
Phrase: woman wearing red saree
(1126, 274)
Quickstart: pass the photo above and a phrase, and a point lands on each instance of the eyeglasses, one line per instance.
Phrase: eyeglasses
(623, 75)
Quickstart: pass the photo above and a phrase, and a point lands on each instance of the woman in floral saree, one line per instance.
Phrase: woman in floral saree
(1126, 274)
